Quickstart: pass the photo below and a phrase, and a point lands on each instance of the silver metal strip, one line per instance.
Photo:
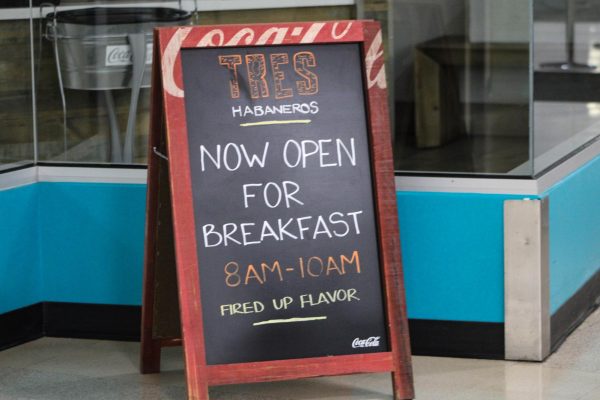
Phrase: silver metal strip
(466, 185)
(33, 86)
(531, 187)
(95, 175)
(526, 280)
(18, 178)
(189, 5)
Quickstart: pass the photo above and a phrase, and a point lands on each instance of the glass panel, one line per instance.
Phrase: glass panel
(567, 78)
(93, 79)
(94, 72)
(16, 122)
(461, 86)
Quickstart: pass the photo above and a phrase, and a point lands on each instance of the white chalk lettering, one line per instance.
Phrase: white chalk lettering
(321, 153)
(336, 224)
(232, 156)
(274, 194)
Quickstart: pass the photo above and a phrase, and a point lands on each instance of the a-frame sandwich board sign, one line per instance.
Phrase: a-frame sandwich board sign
(272, 244)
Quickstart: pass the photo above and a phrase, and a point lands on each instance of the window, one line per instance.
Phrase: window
(461, 86)
(16, 122)
(91, 68)
(504, 88)
(566, 64)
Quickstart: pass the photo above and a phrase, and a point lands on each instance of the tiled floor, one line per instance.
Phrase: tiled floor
(65, 369)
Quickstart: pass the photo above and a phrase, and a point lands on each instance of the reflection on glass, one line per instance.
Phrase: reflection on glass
(461, 74)
(94, 73)
(16, 123)
(566, 100)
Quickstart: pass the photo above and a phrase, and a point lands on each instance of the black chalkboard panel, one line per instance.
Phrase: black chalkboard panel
(283, 202)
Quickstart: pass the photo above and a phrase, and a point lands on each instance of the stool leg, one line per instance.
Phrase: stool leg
(116, 154)
(137, 41)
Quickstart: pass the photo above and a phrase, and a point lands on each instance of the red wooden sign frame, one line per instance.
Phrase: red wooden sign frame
(168, 129)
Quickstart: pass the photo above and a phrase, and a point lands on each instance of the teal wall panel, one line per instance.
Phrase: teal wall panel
(92, 236)
(20, 277)
(92, 242)
(574, 232)
(83, 242)
(453, 255)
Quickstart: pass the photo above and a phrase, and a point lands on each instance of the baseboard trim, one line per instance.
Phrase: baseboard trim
(428, 337)
(92, 321)
(575, 310)
(118, 322)
(21, 326)
(457, 339)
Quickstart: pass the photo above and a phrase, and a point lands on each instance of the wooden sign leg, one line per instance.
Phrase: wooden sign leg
(197, 385)
(160, 312)
(161, 324)
(150, 357)
(402, 375)
(150, 349)
(402, 385)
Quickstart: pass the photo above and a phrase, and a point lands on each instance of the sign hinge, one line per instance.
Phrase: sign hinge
(158, 153)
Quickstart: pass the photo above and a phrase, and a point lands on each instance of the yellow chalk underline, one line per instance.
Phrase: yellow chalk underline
(287, 321)
(284, 122)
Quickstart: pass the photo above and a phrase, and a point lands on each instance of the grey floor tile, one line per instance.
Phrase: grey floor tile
(63, 369)
(581, 351)
(591, 396)
(368, 386)
(95, 360)
(27, 383)
(41, 350)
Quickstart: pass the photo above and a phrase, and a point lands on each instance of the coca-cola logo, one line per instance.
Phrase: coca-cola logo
(303, 33)
(122, 55)
(373, 341)
(118, 55)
